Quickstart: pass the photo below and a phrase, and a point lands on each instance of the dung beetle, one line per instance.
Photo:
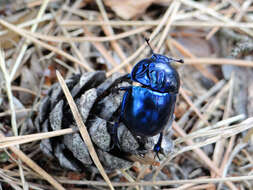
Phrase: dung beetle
(146, 109)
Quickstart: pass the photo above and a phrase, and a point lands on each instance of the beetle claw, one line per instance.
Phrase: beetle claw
(115, 143)
(158, 149)
(157, 155)
(115, 140)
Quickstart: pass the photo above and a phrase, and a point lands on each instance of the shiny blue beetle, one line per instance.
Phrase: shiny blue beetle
(146, 110)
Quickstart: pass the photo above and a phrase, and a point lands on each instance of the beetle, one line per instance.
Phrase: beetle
(146, 109)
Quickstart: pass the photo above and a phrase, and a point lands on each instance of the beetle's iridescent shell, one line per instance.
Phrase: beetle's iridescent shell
(157, 74)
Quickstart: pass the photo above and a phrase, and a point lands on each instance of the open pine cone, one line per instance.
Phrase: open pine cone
(98, 103)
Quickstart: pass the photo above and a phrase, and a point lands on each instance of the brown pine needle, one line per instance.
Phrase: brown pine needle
(24, 158)
(17, 140)
(43, 44)
(218, 61)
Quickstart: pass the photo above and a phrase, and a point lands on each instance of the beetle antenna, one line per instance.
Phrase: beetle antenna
(147, 40)
(178, 60)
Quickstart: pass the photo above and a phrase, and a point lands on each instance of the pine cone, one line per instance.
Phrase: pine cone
(98, 103)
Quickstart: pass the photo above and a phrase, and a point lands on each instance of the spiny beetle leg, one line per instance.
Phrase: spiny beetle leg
(116, 125)
(115, 140)
(157, 148)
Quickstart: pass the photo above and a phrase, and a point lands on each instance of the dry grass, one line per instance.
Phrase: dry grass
(63, 36)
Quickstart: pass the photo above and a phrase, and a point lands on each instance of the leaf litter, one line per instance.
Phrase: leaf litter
(213, 118)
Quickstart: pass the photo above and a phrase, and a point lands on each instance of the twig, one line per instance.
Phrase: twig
(211, 107)
(10, 181)
(109, 31)
(175, 5)
(35, 167)
(30, 22)
(201, 68)
(195, 24)
(17, 140)
(116, 46)
(159, 183)
(8, 112)
(199, 101)
(142, 47)
(9, 93)
(219, 147)
(194, 108)
(218, 61)
(100, 47)
(85, 38)
(226, 165)
(213, 133)
(21, 89)
(201, 155)
(213, 13)
(12, 108)
(25, 45)
(45, 45)
(72, 44)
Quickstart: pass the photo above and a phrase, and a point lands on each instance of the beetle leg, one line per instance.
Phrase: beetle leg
(126, 88)
(121, 88)
(116, 125)
(115, 140)
(157, 148)
(128, 76)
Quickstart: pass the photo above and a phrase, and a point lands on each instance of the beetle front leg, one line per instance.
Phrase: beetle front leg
(157, 148)
(123, 88)
(128, 76)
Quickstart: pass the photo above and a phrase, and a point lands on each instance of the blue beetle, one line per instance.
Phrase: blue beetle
(146, 109)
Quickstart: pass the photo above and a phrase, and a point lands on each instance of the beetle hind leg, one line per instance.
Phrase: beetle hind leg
(158, 146)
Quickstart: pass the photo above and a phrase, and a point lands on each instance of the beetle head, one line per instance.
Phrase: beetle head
(157, 74)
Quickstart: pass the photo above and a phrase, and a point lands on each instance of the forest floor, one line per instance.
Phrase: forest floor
(213, 127)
